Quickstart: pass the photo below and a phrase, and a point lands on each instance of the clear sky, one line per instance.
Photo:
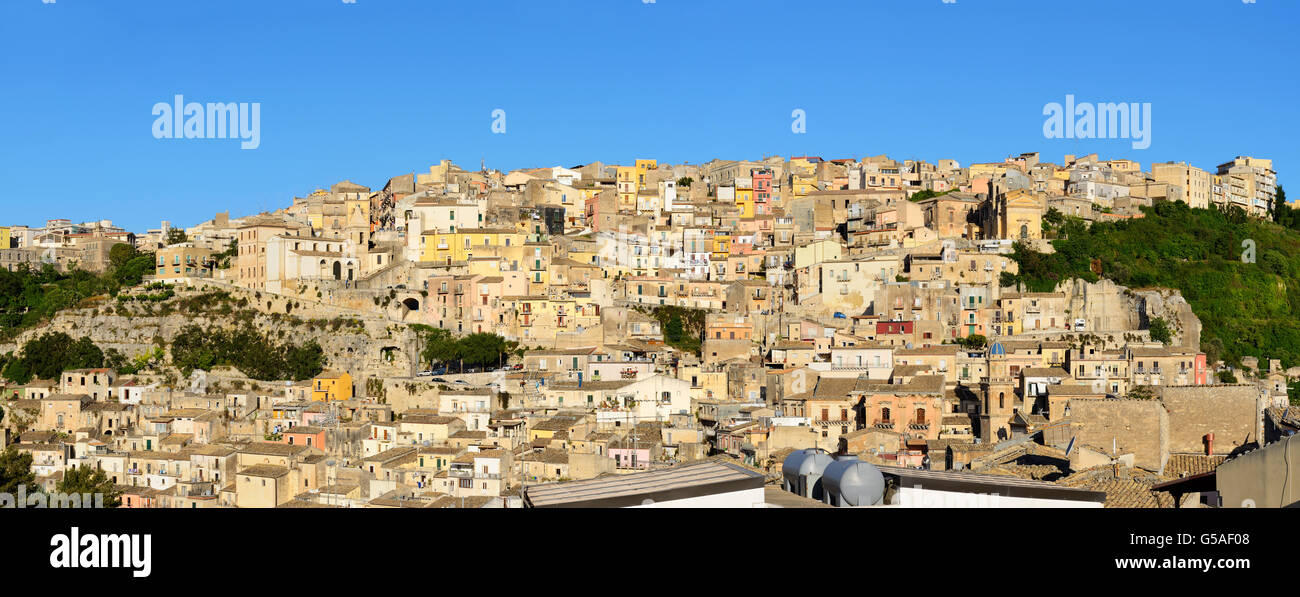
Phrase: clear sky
(380, 88)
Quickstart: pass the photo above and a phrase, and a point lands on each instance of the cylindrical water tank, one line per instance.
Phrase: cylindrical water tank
(804, 467)
(852, 482)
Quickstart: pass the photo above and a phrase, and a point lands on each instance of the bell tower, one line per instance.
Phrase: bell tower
(997, 397)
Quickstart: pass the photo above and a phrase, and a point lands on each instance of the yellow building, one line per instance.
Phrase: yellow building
(460, 246)
(802, 184)
(745, 202)
(331, 385)
(182, 261)
(992, 170)
(721, 247)
(631, 180)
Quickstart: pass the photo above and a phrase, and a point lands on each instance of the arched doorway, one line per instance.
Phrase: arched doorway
(338, 270)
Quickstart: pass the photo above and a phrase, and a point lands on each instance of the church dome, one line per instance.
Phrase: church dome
(997, 350)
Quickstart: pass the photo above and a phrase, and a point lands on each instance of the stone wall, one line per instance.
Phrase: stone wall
(1231, 413)
(1140, 427)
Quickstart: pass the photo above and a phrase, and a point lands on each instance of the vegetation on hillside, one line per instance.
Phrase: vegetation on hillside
(683, 328)
(51, 354)
(30, 296)
(1240, 275)
(248, 350)
(474, 350)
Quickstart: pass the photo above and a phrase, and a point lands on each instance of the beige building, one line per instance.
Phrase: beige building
(251, 253)
(183, 260)
(263, 486)
(1249, 183)
(1195, 182)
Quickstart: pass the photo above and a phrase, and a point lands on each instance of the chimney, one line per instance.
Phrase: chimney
(1209, 444)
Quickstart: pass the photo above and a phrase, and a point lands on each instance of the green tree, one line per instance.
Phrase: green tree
(246, 349)
(1159, 330)
(52, 353)
(84, 479)
(440, 347)
(305, 361)
(121, 253)
(15, 470)
(483, 349)
(973, 341)
(17, 372)
(176, 235)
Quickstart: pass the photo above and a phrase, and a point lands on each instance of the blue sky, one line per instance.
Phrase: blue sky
(380, 88)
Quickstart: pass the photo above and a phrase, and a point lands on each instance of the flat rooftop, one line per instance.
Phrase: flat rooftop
(620, 491)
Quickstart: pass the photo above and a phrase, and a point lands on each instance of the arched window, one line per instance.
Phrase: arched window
(1002, 400)
(884, 414)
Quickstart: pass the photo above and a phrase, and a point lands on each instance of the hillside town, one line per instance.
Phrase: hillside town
(649, 325)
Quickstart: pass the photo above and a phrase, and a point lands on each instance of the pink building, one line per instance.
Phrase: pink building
(304, 435)
(762, 191)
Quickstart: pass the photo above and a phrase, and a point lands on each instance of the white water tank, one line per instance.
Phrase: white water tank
(801, 472)
(851, 482)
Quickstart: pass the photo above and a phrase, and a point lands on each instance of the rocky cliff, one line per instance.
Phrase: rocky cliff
(1110, 308)
(363, 345)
